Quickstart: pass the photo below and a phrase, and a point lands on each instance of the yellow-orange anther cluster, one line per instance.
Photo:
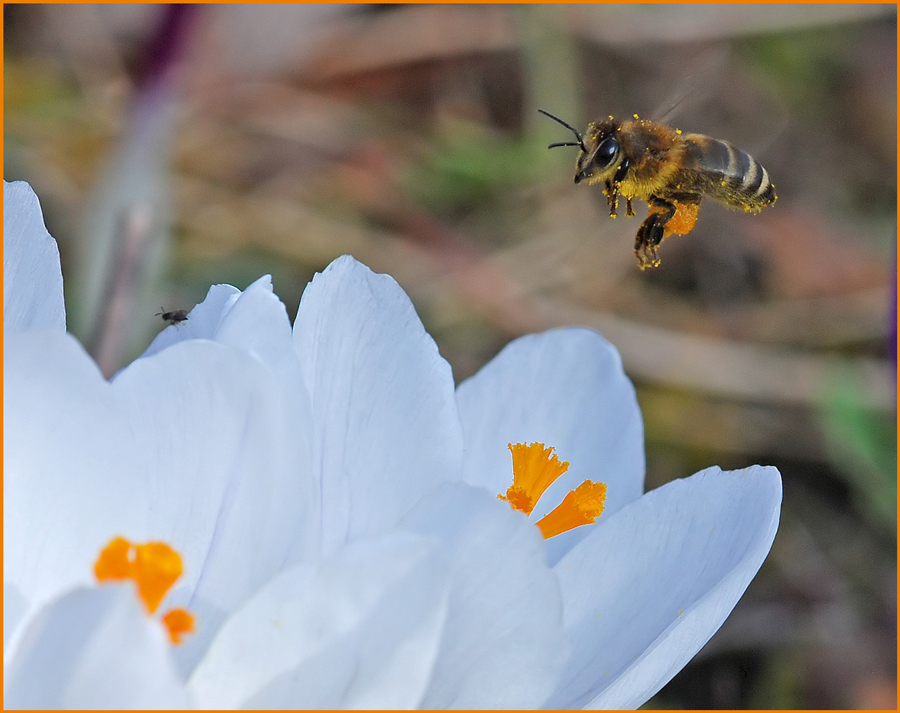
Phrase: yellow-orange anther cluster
(154, 568)
(535, 468)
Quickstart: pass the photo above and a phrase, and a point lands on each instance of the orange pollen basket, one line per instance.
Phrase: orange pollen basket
(684, 219)
(154, 568)
(535, 468)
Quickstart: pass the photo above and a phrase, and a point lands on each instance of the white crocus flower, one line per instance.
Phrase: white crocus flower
(334, 501)
(200, 446)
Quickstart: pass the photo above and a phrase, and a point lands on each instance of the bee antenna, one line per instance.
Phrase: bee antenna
(580, 143)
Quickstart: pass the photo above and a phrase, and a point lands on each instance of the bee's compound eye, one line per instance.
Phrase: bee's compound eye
(606, 151)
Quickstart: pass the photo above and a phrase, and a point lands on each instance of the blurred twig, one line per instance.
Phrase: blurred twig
(120, 298)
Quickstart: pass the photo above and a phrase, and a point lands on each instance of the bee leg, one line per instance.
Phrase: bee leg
(612, 197)
(629, 211)
(650, 234)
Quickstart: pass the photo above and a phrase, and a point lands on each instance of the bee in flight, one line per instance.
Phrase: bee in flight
(175, 317)
(668, 169)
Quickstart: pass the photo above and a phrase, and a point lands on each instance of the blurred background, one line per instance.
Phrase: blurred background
(173, 147)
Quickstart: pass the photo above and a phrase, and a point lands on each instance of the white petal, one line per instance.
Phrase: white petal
(191, 446)
(564, 388)
(359, 631)
(15, 607)
(32, 279)
(57, 440)
(231, 478)
(387, 430)
(255, 321)
(504, 645)
(650, 585)
(93, 648)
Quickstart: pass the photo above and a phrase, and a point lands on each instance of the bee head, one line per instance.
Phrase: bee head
(600, 154)
(603, 155)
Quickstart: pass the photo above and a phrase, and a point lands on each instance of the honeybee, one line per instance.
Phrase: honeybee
(670, 170)
(175, 317)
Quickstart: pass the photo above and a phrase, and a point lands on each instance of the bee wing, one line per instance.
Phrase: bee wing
(696, 86)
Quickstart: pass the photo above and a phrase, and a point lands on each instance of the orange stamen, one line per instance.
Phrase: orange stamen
(534, 470)
(581, 506)
(114, 561)
(154, 568)
(179, 622)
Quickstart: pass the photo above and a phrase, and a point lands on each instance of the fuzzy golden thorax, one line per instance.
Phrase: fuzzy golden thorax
(651, 154)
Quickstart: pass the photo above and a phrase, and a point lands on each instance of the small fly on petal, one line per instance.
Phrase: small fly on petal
(174, 317)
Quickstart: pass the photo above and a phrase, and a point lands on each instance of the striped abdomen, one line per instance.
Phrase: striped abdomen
(727, 174)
